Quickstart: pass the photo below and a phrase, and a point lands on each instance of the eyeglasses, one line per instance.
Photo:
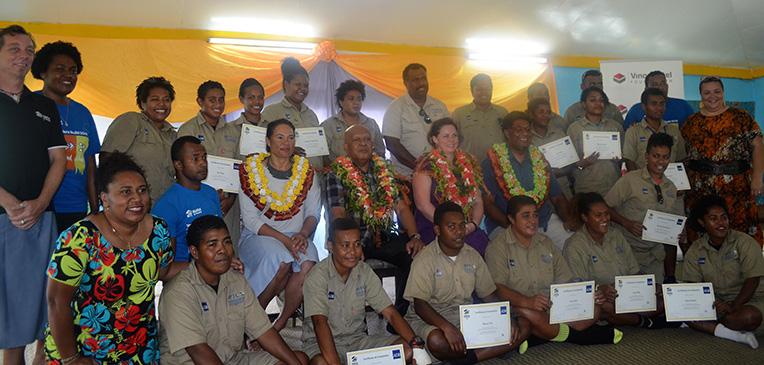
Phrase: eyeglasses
(659, 193)
(424, 115)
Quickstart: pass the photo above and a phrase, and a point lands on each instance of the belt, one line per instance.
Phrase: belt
(719, 168)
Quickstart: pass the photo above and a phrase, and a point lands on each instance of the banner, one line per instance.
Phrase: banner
(624, 81)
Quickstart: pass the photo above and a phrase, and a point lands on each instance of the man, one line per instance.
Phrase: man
(635, 141)
(345, 197)
(588, 79)
(219, 139)
(188, 198)
(640, 190)
(443, 277)
(530, 175)
(336, 293)
(538, 90)
(479, 121)
(207, 309)
(408, 118)
(33, 160)
(543, 132)
(677, 110)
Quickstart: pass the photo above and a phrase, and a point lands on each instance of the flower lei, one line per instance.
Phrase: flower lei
(507, 180)
(377, 206)
(461, 186)
(283, 205)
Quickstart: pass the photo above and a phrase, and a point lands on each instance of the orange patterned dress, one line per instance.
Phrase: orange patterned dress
(725, 137)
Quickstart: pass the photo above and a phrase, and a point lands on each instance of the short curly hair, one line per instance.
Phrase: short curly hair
(45, 55)
(143, 89)
(347, 86)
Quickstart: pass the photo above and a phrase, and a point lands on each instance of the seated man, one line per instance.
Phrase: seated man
(635, 140)
(207, 309)
(363, 176)
(188, 198)
(444, 276)
(336, 292)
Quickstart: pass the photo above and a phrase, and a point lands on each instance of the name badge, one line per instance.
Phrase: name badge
(546, 258)
(330, 295)
(469, 268)
(236, 298)
(360, 291)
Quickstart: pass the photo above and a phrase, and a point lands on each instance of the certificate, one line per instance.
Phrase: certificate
(571, 302)
(485, 325)
(312, 140)
(636, 293)
(689, 302)
(252, 139)
(662, 227)
(560, 153)
(223, 173)
(678, 175)
(608, 144)
(392, 355)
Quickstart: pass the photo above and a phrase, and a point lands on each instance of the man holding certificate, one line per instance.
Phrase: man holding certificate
(444, 275)
(642, 190)
(732, 261)
(524, 263)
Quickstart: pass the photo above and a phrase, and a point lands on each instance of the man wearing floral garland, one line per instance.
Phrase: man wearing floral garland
(362, 186)
(518, 168)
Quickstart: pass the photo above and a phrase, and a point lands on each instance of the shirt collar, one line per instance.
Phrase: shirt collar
(645, 125)
(333, 274)
(428, 102)
(165, 125)
(241, 120)
(200, 120)
(196, 278)
(286, 104)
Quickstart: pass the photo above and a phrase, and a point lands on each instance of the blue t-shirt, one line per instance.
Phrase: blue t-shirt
(179, 206)
(82, 142)
(677, 111)
(524, 174)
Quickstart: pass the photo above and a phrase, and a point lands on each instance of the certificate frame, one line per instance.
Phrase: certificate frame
(682, 182)
(315, 137)
(649, 280)
(588, 286)
(399, 360)
(572, 155)
(504, 310)
(588, 149)
(248, 143)
(651, 214)
(707, 288)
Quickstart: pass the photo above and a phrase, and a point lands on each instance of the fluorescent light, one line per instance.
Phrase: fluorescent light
(290, 28)
(506, 58)
(509, 52)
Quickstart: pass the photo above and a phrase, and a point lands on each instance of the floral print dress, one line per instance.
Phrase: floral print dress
(113, 304)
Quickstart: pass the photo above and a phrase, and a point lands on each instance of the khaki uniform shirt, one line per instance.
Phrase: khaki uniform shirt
(193, 313)
(335, 127)
(558, 122)
(222, 141)
(552, 134)
(634, 194)
(589, 260)
(528, 271)
(133, 133)
(635, 142)
(342, 303)
(600, 176)
(480, 129)
(738, 259)
(303, 117)
(577, 111)
(402, 121)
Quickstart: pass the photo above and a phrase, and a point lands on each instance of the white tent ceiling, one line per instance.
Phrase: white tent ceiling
(710, 32)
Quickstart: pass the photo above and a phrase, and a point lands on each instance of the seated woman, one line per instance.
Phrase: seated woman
(596, 252)
(279, 209)
(524, 263)
(448, 174)
(732, 261)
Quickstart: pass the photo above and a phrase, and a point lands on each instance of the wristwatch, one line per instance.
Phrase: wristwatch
(415, 235)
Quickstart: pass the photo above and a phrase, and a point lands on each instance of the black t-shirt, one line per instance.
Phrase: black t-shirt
(27, 131)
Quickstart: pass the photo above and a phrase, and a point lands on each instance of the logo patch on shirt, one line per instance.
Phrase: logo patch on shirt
(360, 291)
(701, 260)
(205, 306)
(732, 255)
(230, 139)
(619, 249)
(547, 258)
(236, 298)
(642, 138)
(511, 263)
(330, 295)
(594, 259)
(645, 191)
(42, 116)
(200, 137)
(438, 273)
(469, 268)
(145, 131)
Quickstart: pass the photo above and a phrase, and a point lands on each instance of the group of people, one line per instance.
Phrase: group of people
(468, 210)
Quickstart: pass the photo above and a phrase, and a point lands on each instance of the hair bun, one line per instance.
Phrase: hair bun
(290, 65)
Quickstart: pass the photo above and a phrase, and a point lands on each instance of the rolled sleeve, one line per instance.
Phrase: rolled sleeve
(420, 281)
(496, 262)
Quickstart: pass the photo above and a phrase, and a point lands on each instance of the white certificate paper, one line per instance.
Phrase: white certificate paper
(636, 293)
(678, 175)
(223, 173)
(312, 140)
(485, 325)
(252, 139)
(608, 144)
(571, 302)
(388, 355)
(560, 153)
(689, 302)
(662, 227)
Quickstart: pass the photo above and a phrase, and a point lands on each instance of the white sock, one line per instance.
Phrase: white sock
(738, 336)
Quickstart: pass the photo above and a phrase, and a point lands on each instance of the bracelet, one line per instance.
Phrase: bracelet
(415, 236)
(71, 359)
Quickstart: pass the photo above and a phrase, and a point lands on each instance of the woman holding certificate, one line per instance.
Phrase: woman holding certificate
(280, 207)
(732, 261)
(524, 263)
(449, 174)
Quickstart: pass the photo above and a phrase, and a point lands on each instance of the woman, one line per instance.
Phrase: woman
(350, 96)
(448, 174)
(595, 252)
(58, 64)
(725, 157)
(147, 136)
(103, 272)
(524, 263)
(594, 174)
(543, 132)
(732, 261)
(252, 98)
(280, 202)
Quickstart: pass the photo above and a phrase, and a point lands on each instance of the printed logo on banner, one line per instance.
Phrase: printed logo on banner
(619, 78)
(623, 108)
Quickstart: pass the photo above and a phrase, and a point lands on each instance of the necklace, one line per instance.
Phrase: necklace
(15, 96)
(114, 230)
